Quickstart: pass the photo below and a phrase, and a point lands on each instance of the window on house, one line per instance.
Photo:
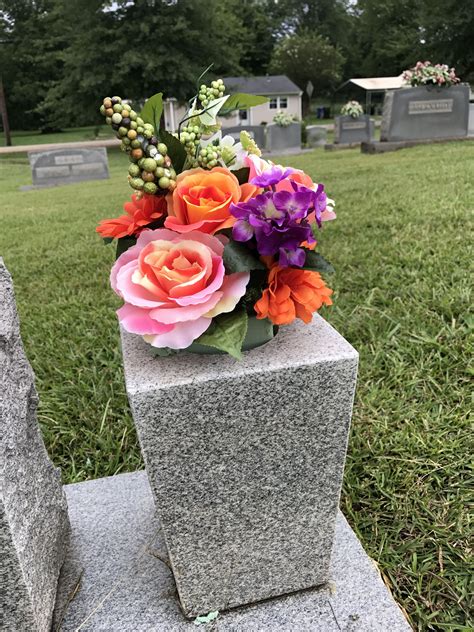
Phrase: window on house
(243, 115)
(283, 103)
(273, 103)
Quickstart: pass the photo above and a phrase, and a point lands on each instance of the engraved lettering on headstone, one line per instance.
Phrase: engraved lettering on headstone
(69, 160)
(440, 106)
(52, 172)
(355, 125)
(92, 168)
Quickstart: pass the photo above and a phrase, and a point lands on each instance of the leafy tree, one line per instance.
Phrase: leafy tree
(448, 34)
(308, 57)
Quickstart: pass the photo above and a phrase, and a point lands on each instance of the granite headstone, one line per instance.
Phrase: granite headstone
(34, 525)
(348, 129)
(281, 138)
(316, 135)
(65, 166)
(257, 132)
(425, 112)
(245, 461)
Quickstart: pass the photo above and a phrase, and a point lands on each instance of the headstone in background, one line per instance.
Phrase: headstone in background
(348, 129)
(257, 132)
(316, 135)
(471, 119)
(245, 460)
(34, 525)
(55, 167)
(279, 138)
(425, 112)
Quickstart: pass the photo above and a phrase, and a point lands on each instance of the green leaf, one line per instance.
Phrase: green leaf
(152, 110)
(123, 244)
(242, 175)
(227, 333)
(315, 261)
(242, 101)
(209, 114)
(107, 240)
(198, 80)
(238, 258)
(176, 150)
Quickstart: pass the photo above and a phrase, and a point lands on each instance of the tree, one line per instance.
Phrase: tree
(308, 57)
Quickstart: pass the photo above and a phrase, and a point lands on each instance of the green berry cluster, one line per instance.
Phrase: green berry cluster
(209, 93)
(190, 136)
(151, 170)
(209, 155)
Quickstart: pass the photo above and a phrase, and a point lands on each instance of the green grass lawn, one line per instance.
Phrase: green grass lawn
(401, 250)
(66, 136)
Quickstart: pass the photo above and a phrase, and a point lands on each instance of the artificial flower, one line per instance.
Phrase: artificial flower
(324, 205)
(292, 293)
(173, 285)
(277, 221)
(201, 200)
(140, 212)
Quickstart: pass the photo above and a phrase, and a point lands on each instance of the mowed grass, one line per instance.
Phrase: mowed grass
(68, 135)
(401, 248)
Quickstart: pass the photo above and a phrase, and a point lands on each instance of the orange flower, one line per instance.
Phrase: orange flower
(202, 198)
(292, 293)
(140, 213)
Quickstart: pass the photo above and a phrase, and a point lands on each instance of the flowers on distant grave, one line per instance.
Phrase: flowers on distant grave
(424, 73)
(352, 108)
(283, 119)
(215, 233)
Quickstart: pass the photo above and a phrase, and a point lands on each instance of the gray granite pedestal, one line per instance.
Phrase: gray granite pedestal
(116, 577)
(245, 461)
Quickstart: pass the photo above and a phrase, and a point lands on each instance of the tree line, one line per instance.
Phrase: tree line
(58, 58)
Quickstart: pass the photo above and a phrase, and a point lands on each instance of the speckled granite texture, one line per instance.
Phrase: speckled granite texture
(245, 460)
(34, 526)
(127, 587)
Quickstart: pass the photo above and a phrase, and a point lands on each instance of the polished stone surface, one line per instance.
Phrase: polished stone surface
(425, 113)
(119, 555)
(245, 460)
(34, 526)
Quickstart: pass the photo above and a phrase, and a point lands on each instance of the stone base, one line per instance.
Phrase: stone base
(336, 146)
(380, 147)
(117, 577)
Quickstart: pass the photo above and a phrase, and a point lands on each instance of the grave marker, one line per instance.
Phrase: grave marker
(55, 167)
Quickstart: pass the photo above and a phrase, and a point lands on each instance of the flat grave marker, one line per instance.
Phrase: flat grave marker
(56, 167)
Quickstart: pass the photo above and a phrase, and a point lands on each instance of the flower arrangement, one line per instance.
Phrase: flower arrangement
(283, 119)
(427, 74)
(352, 108)
(215, 240)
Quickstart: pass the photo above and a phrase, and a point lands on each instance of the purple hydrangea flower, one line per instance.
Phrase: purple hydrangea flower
(272, 176)
(278, 223)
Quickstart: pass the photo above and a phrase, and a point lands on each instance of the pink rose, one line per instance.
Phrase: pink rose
(173, 285)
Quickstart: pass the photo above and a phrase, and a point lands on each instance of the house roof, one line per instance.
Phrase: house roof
(377, 84)
(270, 84)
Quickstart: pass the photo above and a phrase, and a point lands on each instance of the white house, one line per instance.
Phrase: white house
(282, 93)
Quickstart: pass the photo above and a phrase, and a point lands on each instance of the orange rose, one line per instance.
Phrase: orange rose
(292, 293)
(202, 198)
